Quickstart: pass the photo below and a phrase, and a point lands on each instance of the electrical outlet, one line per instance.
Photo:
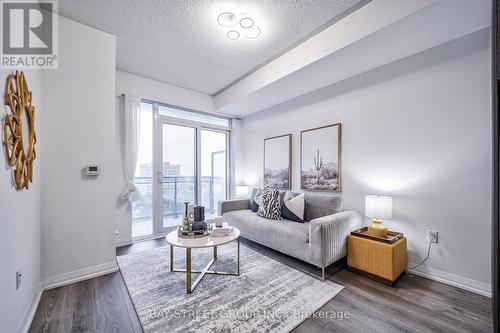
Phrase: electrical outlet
(19, 276)
(432, 235)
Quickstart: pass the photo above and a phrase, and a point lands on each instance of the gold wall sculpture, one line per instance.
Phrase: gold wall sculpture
(19, 136)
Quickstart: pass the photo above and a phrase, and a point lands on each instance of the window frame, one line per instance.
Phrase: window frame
(187, 121)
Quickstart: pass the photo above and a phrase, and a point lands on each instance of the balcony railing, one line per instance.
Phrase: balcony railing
(176, 191)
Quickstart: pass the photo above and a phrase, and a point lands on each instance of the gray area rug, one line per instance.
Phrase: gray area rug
(268, 296)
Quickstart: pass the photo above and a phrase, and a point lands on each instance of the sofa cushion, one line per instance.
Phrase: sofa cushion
(271, 205)
(321, 204)
(282, 235)
(293, 207)
(318, 204)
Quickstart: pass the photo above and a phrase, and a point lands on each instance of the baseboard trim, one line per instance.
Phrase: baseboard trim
(474, 286)
(123, 241)
(30, 314)
(79, 275)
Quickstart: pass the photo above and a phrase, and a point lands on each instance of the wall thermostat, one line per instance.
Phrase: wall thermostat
(92, 170)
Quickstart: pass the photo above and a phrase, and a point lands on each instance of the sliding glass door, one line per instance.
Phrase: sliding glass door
(182, 157)
(177, 172)
(213, 170)
(192, 167)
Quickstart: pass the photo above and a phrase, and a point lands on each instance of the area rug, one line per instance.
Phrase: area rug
(267, 296)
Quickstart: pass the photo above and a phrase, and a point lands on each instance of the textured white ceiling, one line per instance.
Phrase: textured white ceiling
(179, 41)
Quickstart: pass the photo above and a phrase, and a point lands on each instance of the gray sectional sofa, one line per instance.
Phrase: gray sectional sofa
(320, 240)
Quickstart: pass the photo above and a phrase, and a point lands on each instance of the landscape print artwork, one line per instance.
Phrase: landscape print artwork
(320, 159)
(277, 161)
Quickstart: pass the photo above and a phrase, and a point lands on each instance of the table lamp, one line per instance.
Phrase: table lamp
(378, 208)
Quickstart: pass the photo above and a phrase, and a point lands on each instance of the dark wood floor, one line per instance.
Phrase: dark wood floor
(415, 305)
(101, 304)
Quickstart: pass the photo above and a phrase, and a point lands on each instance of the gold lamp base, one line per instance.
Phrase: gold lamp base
(377, 229)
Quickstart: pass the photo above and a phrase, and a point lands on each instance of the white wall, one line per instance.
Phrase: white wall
(163, 92)
(20, 227)
(152, 90)
(419, 130)
(78, 104)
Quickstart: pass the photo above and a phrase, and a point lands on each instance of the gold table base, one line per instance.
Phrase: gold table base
(190, 287)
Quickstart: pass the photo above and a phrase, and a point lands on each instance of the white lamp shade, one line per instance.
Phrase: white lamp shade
(242, 191)
(378, 207)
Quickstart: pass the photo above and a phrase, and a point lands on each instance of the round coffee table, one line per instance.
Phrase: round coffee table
(174, 239)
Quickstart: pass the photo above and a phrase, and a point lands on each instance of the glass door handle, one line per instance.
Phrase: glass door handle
(160, 177)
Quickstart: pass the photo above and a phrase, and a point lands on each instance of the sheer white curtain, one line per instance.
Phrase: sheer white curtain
(132, 127)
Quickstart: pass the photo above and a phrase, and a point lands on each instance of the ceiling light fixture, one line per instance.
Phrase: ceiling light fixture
(237, 25)
(246, 22)
(226, 19)
(233, 35)
(252, 33)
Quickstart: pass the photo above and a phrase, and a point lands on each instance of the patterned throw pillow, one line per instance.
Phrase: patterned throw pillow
(293, 208)
(271, 206)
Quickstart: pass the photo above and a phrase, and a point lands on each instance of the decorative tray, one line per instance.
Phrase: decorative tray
(191, 234)
(392, 236)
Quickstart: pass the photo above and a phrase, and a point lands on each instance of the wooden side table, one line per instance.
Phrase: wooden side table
(382, 262)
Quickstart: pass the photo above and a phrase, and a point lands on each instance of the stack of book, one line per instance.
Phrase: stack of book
(221, 231)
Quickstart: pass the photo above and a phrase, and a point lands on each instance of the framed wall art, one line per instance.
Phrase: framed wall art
(320, 157)
(278, 161)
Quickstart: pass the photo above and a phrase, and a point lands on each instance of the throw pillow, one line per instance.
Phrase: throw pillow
(293, 208)
(271, 206)
(256, 200)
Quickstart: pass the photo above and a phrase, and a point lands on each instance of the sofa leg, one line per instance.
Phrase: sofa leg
(323, 274)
